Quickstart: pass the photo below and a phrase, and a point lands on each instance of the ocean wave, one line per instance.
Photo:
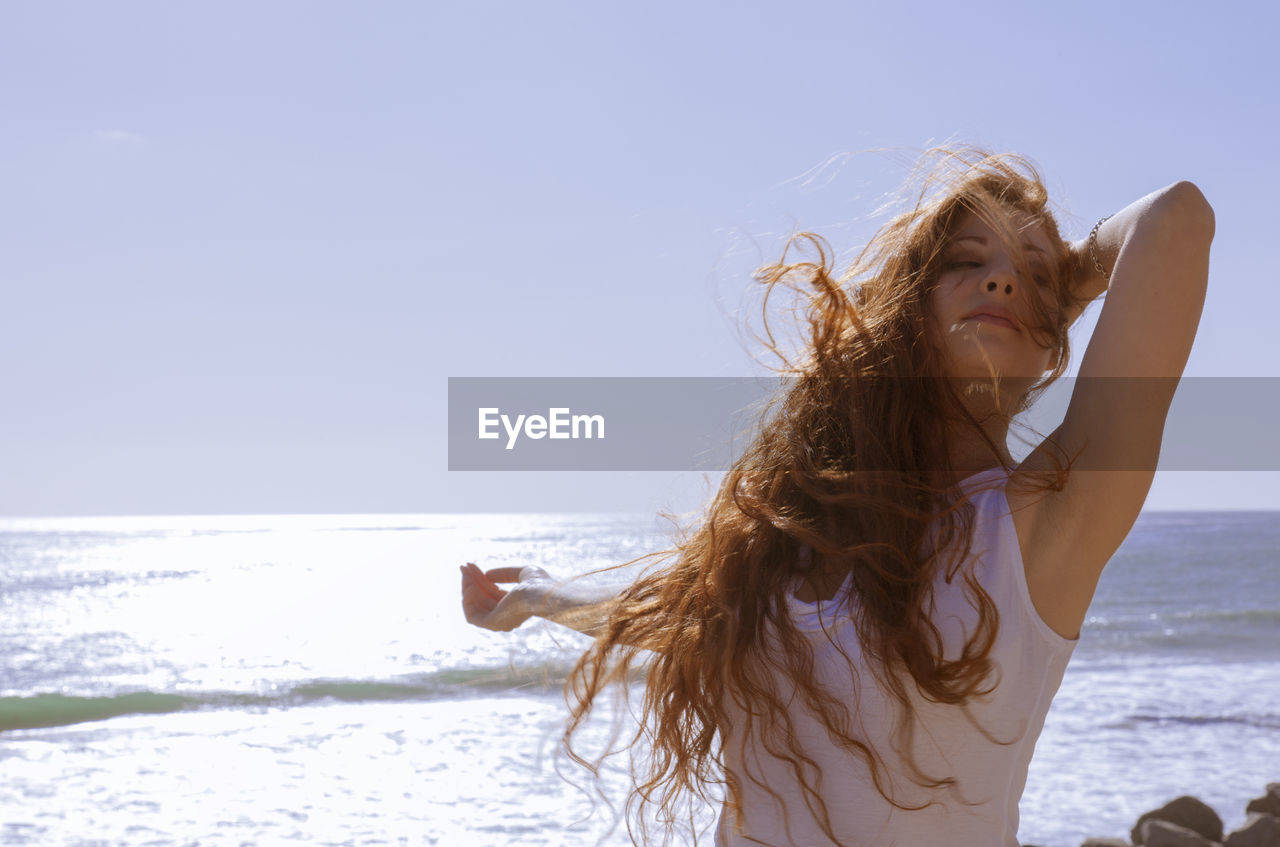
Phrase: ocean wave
(1258, 721)
(1268, 616)
(1128, 620)
(46, 710)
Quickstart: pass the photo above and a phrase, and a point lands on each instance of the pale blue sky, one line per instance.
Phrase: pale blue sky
(244, 245)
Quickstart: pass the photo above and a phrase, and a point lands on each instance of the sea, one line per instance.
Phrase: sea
(272, 680)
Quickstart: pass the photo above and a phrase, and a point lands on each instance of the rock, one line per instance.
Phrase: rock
(1105, 842)
(1159, 833)
(1259, 830)
(1269, 803)
(1186, 812)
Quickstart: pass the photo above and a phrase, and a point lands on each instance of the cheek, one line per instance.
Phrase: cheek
(937, 306)
(935, 321)
(947, 298)
(941, 342)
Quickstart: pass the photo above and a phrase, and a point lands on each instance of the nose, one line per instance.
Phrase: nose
(1002, 278)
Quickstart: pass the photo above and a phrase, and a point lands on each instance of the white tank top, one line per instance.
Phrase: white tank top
(1029, 658)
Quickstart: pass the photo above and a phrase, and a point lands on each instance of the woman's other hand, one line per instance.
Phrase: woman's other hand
(1083, 280)
(487, 606)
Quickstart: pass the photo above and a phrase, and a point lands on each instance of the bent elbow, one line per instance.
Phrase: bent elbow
(1187, 204)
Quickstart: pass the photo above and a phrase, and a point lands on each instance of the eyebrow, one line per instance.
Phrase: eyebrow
(983, 241)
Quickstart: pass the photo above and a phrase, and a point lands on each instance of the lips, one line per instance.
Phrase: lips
(998, 317)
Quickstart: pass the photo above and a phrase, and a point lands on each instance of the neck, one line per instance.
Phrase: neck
(970, 452)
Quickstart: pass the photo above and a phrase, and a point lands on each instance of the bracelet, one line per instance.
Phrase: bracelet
(1093, 249)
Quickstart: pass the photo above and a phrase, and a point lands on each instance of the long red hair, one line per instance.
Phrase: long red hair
(844, 463)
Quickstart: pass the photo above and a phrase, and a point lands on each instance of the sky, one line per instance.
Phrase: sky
(244, 246)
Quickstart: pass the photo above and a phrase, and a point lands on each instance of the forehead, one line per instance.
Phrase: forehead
(969, 229)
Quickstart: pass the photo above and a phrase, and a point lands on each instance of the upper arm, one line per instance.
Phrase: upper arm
(1130, 370)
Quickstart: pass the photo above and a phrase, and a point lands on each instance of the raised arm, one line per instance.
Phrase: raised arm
(573, 604)
(1157, 252)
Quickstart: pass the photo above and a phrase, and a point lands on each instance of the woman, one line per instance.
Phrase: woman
(862, 637)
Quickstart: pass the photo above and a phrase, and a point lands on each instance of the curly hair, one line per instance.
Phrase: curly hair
(842, 481)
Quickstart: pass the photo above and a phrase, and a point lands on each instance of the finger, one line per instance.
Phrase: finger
(485, 584)
(475, 599)
(491, 591)
(504, 574)
(475, 587)
(472, 575)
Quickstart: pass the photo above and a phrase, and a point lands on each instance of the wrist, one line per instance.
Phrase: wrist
(1083, 282)
(534, 598)
(1086, 281)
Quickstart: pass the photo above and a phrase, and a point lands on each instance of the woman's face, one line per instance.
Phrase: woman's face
(981, 311)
